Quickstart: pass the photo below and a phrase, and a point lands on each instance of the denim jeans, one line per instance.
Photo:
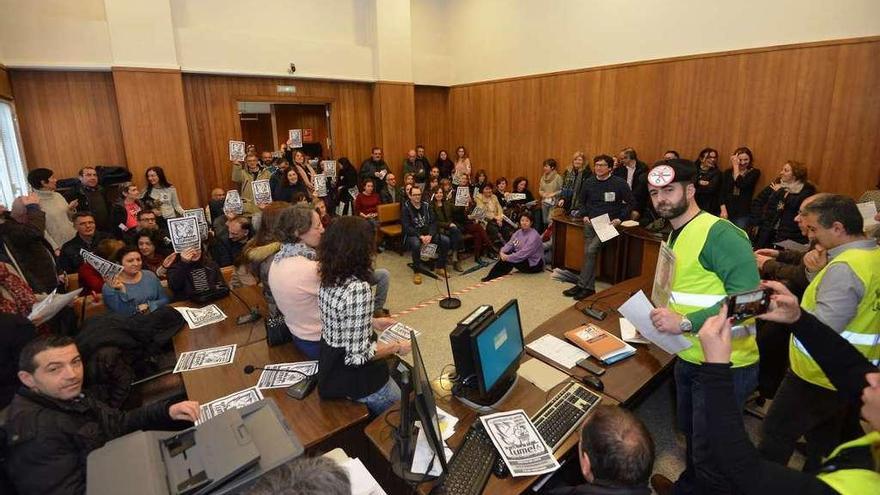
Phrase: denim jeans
(382, 399)
(587, 279)
(382, 280)
(700, 475)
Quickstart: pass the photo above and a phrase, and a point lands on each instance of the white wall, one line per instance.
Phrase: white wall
(494, 39)
(431, 62)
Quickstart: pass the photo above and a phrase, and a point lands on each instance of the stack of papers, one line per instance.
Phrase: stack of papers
(558, 351)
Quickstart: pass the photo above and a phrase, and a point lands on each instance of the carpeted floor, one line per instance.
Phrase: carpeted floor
(540, 297)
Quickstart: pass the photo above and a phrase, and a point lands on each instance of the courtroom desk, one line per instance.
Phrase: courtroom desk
(227, 331)
(627, 380)
(523, 396)
(632, 253)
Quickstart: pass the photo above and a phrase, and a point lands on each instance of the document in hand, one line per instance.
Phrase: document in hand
(637, 309)
(603, 228)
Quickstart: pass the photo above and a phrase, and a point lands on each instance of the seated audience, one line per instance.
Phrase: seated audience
(160, 196)
(443, 165)
(89, 279)
(154, 254)
(352, 364)
(134, 290)
(443, 211)
(366, 204)
(774, 209)
(59, 228)
(851, 467)
(87, 237)
(524, 251)
(572, 181)
(602, 193)
(192, 274)
(23, 246)
(615, 454)
(227, 247)
(549, 188)
(708, 181)
(520, 186)
(480, 180)
(52, 425)
(89, 196)
(146, 220)
(420, 229)
(302, 476)
(123, 213)
(670, 155)
(492, 216)
(287, 185)
(391, 193)
(738, 186)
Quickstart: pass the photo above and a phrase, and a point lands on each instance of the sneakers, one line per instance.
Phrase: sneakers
(417, 278)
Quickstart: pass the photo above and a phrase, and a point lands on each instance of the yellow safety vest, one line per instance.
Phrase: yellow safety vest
(853, 481)
(694, 288)
(863, 331)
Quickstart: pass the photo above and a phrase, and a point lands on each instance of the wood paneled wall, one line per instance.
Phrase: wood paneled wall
(68, 119)
(394, 115)
(432, 120)
(155, 129)
(5, 85)
(213, 117)
(817, 103)
(302, 117)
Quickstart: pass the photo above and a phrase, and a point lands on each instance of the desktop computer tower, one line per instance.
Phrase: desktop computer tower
(460, 341)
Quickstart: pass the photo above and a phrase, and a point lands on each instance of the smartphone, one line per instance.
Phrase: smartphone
(591, 367)
(745, 305)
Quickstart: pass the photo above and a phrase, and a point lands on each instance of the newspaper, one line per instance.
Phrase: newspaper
(205, 358)
(51, 305)
(462, 196)
(397, 332)
(295, 138)
(262, 191)
(328, 168)
(106, 268)
(184, 233)
(516, 196)
(429, 251)
(285, 374)
(235, 400)
(232, 203)
(353, 192)
(519, 444)
(320, 183)
(199, 215)
(199, 317)
(236, 151)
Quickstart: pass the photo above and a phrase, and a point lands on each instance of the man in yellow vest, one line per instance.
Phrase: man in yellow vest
(843, 295)
(712, 258)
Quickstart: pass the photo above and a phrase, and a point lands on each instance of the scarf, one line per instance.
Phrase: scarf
(298, 249)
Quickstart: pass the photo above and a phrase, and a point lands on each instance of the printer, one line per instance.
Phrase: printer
(221, 455)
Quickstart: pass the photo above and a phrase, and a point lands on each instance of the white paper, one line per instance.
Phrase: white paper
(105, 268)
(353, 192)
(462, 196)
(236, 151)
(320, 183)
(184, 233)
(429, 251)
(199, 317)
(360, 479)
(232, 203)
(295, 137)
(558, 350)
(447, 423)
(629, 333)
(235, 400)
(262, 191)
(285, 374)
(199, 215)
(52, 304)
(397, 332)
(518, 442)
(328, 168)
(604, 230)
(868, 209)
(205, 358)
(637, 309)
(424, 456)
(516, 196)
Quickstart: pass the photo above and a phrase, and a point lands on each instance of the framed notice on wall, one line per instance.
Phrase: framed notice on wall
(307, 136)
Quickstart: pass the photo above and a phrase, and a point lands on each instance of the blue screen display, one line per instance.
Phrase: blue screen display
(499, 344)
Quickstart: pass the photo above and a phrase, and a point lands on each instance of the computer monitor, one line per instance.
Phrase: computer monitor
(422, 404)
(497, 348)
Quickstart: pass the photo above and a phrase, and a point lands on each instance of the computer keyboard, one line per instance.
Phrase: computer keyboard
(559, 418)
(470, 467)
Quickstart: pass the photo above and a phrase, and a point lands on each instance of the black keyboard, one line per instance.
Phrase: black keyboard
(559, 418)
(470, 467)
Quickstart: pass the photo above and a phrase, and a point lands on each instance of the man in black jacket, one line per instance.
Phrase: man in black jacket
(419, 230)
(635, 173)
(374, 168)
(91, 197)
(52, 426)
(87, 237)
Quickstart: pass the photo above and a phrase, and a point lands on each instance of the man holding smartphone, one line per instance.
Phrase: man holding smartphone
(712, 259)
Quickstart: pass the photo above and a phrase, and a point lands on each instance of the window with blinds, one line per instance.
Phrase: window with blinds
(13, 176)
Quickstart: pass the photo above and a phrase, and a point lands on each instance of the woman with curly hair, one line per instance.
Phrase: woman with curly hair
(351, 363)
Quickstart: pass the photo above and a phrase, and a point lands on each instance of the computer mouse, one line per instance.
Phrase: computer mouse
(593, 381)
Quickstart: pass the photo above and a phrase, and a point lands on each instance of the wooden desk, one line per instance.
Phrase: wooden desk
(524, 396)
(319, 424)
(625, 380)
(628, 255)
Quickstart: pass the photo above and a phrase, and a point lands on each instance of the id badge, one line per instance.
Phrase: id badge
(609, 197)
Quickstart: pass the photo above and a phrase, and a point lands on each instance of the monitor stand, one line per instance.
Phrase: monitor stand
(406, 432)
(471, 397)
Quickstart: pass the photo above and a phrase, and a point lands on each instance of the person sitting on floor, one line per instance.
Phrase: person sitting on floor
(52, 425)
(524, 251)
(134, 290)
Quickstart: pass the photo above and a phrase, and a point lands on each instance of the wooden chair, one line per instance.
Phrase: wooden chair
(72, 281)
(389, 224)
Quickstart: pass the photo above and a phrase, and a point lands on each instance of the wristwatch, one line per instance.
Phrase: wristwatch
(685, 326)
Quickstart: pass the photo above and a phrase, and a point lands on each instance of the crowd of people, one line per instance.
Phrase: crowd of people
(313, 247)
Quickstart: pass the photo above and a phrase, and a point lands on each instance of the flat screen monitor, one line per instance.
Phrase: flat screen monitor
(498, 347)
(424, 403)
